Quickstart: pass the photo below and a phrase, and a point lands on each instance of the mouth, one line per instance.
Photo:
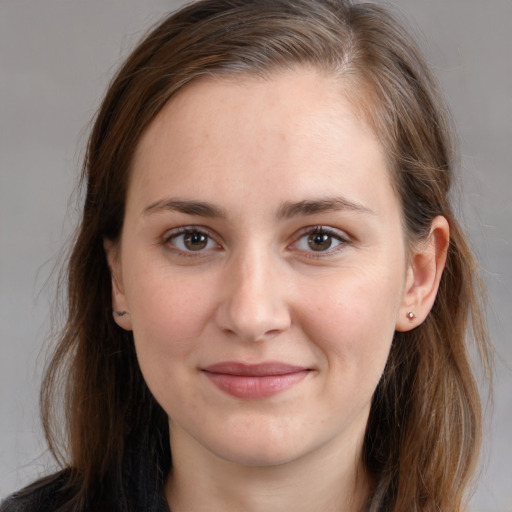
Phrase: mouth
(252, 381)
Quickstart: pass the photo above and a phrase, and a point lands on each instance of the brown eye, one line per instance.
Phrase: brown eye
(319, 241)
(322, 240)
(195, 241)
(191, 240)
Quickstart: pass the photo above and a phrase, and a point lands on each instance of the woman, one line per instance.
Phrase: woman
(269, 295)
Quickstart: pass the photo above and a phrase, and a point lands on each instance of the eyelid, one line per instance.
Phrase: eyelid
(335, 233)
(182, 230)
(170, 233)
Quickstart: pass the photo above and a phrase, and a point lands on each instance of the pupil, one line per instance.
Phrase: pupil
(195, 241)
(319, 241)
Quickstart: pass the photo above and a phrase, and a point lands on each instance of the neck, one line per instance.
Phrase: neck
(327, 480)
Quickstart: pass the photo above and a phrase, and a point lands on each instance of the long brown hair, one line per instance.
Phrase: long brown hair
(424, 429)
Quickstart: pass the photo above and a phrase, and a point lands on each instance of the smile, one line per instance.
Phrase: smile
(254, 381)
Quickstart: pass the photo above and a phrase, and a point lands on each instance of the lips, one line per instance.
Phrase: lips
(252, 381)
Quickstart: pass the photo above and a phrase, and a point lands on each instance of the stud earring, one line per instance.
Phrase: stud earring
(119, 313)
(410, 315)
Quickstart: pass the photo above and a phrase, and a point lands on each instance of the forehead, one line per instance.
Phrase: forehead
(296, 128)
(248, 99)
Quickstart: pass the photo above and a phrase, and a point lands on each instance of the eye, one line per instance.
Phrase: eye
(190, 240)
(321, 240)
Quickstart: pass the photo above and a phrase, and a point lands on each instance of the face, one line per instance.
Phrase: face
(262, 267)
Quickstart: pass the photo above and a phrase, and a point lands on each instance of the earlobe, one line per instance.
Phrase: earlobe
(426, 266)
(120, 309)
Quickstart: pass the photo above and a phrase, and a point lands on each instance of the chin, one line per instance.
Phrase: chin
(261, 445)
(264, 454)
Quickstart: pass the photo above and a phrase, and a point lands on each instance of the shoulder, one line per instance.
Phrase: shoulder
(60, 493)
(45, 495)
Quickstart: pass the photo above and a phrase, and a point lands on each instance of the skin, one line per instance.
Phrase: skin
(260, 290)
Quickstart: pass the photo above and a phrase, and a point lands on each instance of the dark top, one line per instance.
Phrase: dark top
(55, 494)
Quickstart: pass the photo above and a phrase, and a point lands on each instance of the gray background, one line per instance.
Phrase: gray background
(56, 58)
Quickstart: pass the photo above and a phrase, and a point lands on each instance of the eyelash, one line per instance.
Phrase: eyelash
(175, 233)
(343, 240)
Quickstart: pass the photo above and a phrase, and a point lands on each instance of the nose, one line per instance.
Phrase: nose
(253, 305)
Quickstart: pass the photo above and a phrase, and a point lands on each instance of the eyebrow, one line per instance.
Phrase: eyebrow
(313, 206)
(200, 208)
(286, 211)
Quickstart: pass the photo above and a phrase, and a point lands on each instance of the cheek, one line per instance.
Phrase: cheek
(353, 322)
(168, 311)
(169, 317)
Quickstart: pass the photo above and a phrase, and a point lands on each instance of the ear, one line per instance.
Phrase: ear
(426, 266)
(120, 309)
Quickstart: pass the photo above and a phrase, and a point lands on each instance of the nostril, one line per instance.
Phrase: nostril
(249, 335)
(272, 333)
